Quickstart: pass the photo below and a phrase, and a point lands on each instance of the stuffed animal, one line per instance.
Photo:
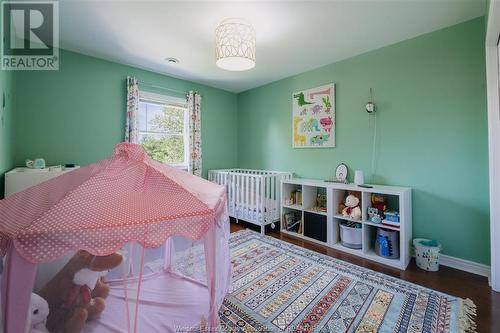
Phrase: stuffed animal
(37, 316)
(352, 209)
(77, 292)
(378, 201)
(373, 215)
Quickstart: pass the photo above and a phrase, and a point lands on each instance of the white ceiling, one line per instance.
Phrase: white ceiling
(292, 36)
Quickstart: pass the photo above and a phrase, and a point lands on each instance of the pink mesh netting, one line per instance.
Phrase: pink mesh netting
(128, 197)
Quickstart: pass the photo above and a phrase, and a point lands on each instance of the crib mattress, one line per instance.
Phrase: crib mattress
(252, 214)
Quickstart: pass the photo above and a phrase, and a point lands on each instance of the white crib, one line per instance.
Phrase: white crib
(252, 195)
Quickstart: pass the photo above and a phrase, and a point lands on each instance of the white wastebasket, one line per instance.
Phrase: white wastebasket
(427, 253)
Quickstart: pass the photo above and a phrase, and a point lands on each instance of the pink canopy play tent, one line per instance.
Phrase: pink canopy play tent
(171, 226)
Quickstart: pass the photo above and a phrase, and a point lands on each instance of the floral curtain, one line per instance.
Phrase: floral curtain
(194, 109)
(132, 110)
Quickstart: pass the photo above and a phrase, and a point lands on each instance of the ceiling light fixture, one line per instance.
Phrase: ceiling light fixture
(235, 45)
(172, 61)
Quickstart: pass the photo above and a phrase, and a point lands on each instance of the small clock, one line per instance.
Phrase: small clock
(341, 173)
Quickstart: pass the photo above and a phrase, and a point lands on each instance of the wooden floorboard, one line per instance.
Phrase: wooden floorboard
(447, 280)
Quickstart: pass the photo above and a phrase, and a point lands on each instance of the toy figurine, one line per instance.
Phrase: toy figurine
(37, 315)
(391, 218)
(37, 163)
(378, 201)
(373, 215)
(321, 202)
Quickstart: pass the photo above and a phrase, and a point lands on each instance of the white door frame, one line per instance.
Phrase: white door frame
(492, 80)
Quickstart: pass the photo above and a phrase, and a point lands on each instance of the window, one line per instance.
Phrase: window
(163, 128)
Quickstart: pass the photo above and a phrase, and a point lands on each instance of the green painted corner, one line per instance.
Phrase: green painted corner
(486, 14)
(432, 130)
(6, 100)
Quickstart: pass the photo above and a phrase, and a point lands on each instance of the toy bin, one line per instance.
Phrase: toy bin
(427, 254)
(351, 235)
(387, 243)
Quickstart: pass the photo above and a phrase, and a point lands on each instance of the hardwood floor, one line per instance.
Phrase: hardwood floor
(447, 280)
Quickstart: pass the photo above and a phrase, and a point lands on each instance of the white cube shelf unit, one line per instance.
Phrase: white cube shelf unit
(323, 227)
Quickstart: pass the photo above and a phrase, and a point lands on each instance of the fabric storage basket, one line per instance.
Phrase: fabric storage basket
(387, 243)
(427, 254)
(351, 235)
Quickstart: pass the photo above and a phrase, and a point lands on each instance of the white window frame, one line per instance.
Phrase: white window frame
(175, 101)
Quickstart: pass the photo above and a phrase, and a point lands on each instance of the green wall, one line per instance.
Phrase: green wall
(6, 161)
(432, 130)
(432, 126)
(77, 114)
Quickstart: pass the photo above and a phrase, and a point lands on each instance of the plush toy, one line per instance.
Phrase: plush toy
(37, 316)
(378, 201)
(373, 215)
(342, 206)
(352, 209)
(77, 292)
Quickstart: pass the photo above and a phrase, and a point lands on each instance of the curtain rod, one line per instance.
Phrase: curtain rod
(160, 87)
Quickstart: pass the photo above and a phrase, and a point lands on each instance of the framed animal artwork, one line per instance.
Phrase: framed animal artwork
(314, 117)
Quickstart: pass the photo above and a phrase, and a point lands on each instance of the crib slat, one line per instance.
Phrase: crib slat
(252, 194)
(237, 193)
(268, 193)
(240, 189)
(242, 192)
(266, 189)
(261, 197)
(272, 196)
(237, 189)
(270, 202)
(246, 190)
(235, 179)
(233, 184)
(258, 181)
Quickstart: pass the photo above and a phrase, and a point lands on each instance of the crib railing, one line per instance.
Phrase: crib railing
(253, 195)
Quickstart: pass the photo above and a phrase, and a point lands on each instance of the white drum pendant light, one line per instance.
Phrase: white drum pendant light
(235, 45)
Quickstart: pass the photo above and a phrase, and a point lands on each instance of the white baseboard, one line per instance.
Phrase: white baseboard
(465, 265)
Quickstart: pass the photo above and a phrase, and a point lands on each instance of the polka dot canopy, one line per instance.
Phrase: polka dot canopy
(98, 208)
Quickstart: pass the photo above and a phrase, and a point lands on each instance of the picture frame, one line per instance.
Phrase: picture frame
(313, 117)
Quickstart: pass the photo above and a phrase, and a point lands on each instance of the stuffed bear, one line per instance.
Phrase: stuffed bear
(37, 316)
(77, 292)
(352, 209)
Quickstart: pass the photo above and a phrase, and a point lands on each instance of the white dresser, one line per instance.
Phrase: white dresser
(19, 179)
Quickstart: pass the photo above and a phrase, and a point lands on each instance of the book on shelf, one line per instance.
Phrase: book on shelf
(292, 222)
(390, 223)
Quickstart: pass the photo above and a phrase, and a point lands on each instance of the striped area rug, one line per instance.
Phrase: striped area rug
(280, 287)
